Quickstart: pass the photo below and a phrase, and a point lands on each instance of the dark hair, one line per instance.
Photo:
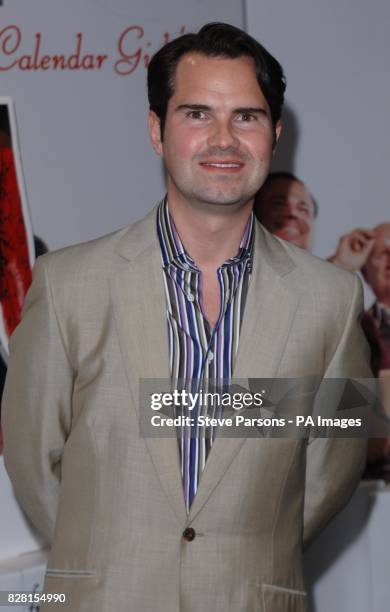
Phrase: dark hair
(288, 176)
(214, 40)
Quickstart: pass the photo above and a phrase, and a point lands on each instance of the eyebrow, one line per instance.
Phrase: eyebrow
(251, 109)
(242, 109)
(193, 107)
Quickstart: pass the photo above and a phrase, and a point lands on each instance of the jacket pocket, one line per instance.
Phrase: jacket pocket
(81, 590)
(282, 599)
(68, 573)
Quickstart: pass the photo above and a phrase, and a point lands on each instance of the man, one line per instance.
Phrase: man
(287, 209)
(376, 322)
(196, 291)
(369, 251)
(376, 325)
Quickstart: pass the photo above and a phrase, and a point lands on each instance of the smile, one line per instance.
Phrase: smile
(222, 165)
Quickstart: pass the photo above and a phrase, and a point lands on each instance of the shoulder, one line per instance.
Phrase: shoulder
(93, 256)
(310, 274)
(99, 258)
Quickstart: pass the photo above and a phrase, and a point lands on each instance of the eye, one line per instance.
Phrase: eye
(277, 203)
(246, 117)
(304, 209)
(196, 114)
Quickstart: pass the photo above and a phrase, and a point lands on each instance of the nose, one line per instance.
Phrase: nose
(222, 135)
(290, 210)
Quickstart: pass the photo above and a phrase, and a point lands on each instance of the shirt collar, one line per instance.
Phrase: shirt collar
(172, 249)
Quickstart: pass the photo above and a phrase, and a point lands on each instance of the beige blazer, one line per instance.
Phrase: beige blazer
(110, 501)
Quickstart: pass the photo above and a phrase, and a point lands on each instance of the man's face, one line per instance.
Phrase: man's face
(285, 208)
(377, 269)
(218, 136)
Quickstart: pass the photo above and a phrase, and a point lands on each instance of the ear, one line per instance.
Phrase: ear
(277, 132)
(155, 132)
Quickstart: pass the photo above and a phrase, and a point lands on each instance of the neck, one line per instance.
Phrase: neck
(211, 234)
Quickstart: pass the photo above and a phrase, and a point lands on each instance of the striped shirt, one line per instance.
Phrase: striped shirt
(199, 354)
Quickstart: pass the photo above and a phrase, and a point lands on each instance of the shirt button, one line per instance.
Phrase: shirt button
(210, 356)
(190, 297)
(186, 266)
(189, 534)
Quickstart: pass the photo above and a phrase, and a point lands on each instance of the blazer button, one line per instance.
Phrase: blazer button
(189, 534)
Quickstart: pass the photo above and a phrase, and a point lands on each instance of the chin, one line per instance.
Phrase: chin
(289, 237)
(223, 200)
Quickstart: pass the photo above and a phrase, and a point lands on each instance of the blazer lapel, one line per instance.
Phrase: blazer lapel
(138, 301)
(269, 312)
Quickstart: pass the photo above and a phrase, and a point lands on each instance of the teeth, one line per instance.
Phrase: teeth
(216, 165)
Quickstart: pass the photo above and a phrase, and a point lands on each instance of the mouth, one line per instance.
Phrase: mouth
(290, 227)
(222, 166)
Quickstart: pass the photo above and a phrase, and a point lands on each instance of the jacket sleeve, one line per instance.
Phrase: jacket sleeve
(334, 465)
(36, 408)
